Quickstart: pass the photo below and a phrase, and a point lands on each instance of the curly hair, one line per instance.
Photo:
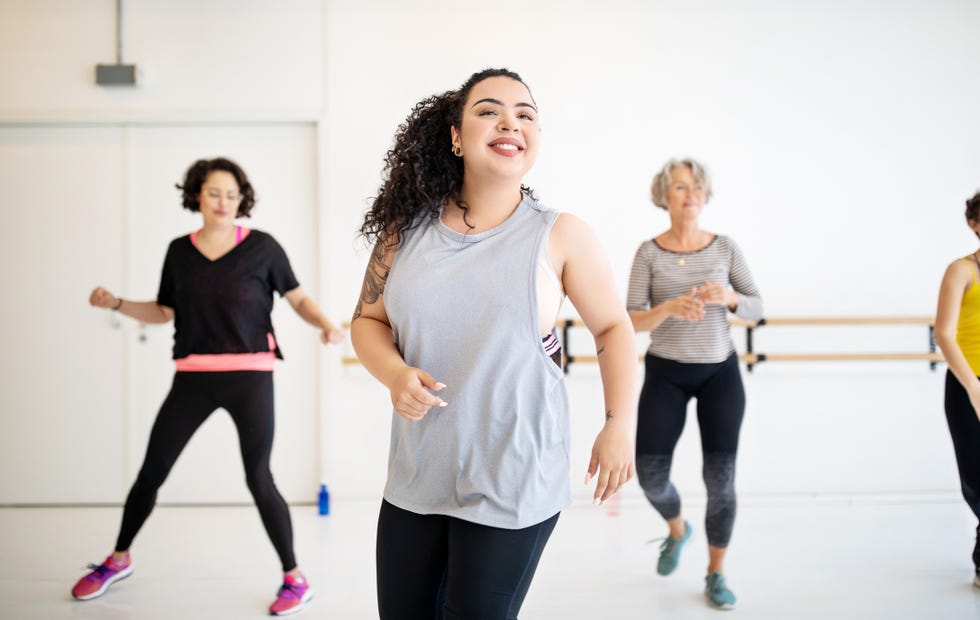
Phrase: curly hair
(421, 173)
(658, 189)
(973, 210)
(198, 172)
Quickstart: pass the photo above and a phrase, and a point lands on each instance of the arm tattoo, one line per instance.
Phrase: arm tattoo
(600, 351)
(375, 277)
(609, 415)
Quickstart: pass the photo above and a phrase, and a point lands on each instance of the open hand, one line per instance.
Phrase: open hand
(612, 461)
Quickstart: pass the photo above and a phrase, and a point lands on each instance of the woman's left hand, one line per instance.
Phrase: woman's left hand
(717, 294)
(332, 335)
(612, 460)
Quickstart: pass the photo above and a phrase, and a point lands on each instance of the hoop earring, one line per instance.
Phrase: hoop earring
(457, 150)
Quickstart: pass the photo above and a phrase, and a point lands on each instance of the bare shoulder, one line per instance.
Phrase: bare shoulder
(570, 229)
(960, 270)
(572, 240)
(959, 277)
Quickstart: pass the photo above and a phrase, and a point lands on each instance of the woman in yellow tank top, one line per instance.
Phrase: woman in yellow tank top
(958, 335)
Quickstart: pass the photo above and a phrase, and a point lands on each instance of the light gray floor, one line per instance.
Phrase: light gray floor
(904, 557)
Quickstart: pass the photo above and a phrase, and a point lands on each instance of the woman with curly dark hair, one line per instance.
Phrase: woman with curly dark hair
(457, 319)
(217, 286)
(958, 335)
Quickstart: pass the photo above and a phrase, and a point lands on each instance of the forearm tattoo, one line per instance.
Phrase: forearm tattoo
(375, 277)
(600, 351)
(609, 415)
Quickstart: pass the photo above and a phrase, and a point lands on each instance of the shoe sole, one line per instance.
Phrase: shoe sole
(721, 607)
(307, 597)
(725, 607)
(976, 581)
(126, 572)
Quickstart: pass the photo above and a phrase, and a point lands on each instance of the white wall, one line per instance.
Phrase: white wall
(843, 138)
(217, 60)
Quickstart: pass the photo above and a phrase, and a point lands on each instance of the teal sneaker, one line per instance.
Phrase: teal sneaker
(670, 551)
(717, 592)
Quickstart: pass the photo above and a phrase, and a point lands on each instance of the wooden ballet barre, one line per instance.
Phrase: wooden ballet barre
(755, 358)
(835, 320)
(751, 357)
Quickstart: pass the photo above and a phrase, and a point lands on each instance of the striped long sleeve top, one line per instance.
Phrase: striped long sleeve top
(659, 275)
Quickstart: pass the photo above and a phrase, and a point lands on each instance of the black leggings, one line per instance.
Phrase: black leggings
(248, 397)
(434, 567)
(668, 387)
(964, 427)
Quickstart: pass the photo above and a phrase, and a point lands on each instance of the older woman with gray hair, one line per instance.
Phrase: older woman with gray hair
(683, 285)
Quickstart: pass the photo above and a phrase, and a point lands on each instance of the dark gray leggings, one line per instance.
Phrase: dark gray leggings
(435, 567)
(668, 387)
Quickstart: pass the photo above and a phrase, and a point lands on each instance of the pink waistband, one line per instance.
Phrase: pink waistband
(224, 362)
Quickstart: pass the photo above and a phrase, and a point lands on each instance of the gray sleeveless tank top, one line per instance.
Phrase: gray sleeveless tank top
(464, 309)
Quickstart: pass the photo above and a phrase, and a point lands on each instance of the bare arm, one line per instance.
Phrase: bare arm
(310, 312)
(588, 280)
(374, 344)
(142, 311)
(956, 281)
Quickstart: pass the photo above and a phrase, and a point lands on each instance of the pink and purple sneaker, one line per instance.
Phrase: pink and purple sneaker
(293, 595)
(95, 583)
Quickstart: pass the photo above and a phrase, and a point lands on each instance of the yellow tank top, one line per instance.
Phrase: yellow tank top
(968, 326)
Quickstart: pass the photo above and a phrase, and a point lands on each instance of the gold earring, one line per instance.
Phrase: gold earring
(457, 150)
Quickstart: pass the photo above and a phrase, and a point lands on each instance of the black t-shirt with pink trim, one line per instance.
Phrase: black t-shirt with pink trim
(224, 306)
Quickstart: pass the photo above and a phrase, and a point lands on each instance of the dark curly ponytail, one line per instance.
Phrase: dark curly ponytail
(421, 172)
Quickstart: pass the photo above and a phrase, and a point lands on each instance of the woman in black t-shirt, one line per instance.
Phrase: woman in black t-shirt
(217, 285)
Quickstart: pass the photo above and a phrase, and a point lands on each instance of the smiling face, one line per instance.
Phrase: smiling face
(219, 198)
(685, 195)
(498, 133)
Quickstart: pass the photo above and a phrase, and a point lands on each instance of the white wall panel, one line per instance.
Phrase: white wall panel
(61, 404)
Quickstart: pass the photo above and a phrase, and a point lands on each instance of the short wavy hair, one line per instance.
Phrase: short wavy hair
(658, 189)
(198, 172)
(421, 173)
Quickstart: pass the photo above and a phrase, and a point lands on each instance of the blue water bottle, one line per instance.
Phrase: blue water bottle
(323, 500)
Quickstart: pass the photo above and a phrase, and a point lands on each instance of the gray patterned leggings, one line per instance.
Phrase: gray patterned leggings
(668, 387)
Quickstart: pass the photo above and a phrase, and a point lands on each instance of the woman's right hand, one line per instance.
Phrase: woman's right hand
(688, 306)
(410, 394)
(101, 298)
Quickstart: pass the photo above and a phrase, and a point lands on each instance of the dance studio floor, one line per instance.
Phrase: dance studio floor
(826, 558)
